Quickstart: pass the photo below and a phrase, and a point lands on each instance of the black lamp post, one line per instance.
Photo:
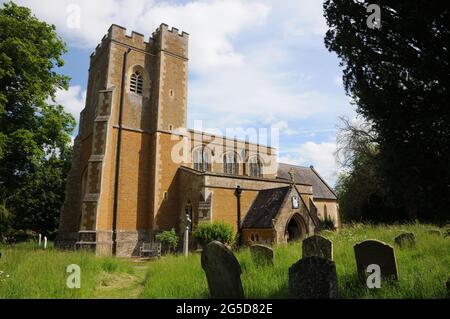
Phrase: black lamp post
(238, 193)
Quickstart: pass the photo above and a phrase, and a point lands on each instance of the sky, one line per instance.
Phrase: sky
(252, 64)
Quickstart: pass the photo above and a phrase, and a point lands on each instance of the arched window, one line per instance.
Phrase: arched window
(206, 159)
(84, 178)
(230, 164)
(202, 159)
(325, 212)
(136, 82)
(255, 167)
(198, 160)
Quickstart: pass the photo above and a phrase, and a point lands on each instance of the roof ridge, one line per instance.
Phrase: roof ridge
(320, 177)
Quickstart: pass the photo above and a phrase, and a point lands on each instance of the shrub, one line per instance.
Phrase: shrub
(326, 224)
(168, 239)
(220, 231)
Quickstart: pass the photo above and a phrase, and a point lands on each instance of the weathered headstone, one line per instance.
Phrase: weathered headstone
(376, 252)
(45, 242)
(313, 278)
(317, 246)
(447, 232)
(39, 240)
(261, 255)
(222, 270)
(434, 232)
(405, 240)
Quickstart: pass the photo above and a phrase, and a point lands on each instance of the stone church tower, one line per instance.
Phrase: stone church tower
(121, 172)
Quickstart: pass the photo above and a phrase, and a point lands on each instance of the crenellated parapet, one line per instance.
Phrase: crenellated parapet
(171, 40)
(163, 38)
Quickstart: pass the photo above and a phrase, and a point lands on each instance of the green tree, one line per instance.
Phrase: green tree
(398, 78)
(361, 190)
(35, 132)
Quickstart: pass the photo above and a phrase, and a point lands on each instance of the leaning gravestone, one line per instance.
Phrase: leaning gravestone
(376, 252)
(405, 240)
(222, 270)
(261, 255)
(434, 232)
(313, 278)
(317, 246)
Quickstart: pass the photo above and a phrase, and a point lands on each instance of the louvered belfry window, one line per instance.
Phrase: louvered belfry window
(136, 83)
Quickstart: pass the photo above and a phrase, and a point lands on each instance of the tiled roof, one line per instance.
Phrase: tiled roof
(265, 207)
(307, 175)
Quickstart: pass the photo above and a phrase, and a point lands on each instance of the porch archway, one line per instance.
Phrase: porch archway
(296, 228)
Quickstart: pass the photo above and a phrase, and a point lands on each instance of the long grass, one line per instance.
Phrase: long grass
(423, 270)
(29, 272)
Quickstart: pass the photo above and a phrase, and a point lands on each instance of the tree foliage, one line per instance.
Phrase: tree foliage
(398, 78)
(35, 132)
(168, 239)
(360, 187)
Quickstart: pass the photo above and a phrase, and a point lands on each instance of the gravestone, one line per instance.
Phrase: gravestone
(222, 270)
(376, 252)
(261, 255)
(405, 240)
(317, 246)
(313, 278)
(434, 232)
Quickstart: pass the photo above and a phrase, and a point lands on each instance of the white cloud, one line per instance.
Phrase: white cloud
(73, 100)
(211, 24)
(307, 21)
(320, 155)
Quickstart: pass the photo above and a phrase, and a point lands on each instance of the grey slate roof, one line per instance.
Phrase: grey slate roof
(265, 207)
(307, 175)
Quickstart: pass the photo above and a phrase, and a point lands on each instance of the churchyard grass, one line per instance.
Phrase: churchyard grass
(31, 272)
(423, 269)
(37, 273)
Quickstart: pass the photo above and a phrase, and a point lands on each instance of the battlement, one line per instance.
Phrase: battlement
(165, 28)
(159, 36)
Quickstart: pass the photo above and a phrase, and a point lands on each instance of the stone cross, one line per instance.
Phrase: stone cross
(317, 246)
(313, 278)
(261, 255)
(222, 270)
(376, 252)
(291, 176)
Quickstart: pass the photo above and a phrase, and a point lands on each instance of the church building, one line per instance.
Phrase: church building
(137, 169)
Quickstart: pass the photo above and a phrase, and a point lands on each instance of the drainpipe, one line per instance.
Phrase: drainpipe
(118, 148)
(238, 200)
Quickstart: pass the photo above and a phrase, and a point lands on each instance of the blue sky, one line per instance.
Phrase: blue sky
(253, 64)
